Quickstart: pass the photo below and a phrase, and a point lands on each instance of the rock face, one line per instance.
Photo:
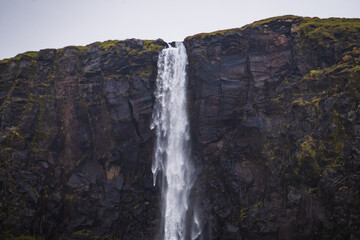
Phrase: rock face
(275, 121)
(76, 145)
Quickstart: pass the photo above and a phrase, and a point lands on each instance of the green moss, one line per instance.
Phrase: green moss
(315, 156)
(268, 20)
(22, 237)
(243, 214)
(100, 237)
(320, 33)
(313, 103)
(279, 97)
(329, 24)
(146, 73)
(307, 150)
(106, 45)
(338, 135)
(81, 48)
(312, 28)
(31, 54)
(254, 24)
(307, 170)
(315, 74)
(83, 233)
(133, 52)
(355, 69)
(89, 234)
(150, 46)
(155, 48)
(110, 43)
(334, 80)
(258, 205)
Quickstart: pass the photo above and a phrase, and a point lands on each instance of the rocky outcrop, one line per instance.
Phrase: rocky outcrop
(275, 118)
(75, 142)
(275, 123)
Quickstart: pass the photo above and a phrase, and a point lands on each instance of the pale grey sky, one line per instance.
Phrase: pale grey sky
(31, 25)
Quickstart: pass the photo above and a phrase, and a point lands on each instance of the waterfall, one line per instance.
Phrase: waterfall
(172, 148)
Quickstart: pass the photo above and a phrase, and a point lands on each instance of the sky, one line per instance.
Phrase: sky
(31, 25)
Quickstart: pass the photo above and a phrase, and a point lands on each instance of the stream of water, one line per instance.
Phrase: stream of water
(172, 149)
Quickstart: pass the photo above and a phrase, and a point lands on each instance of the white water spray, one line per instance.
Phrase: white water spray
(172, 144)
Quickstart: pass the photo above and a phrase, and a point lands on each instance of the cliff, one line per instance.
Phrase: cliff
(275, 124)
(275, 120)
(76, 142)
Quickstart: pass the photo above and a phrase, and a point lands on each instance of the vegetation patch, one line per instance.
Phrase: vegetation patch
(254, 24)
(150, 46)
(34, 54)
(146, 73)
(23, 237)
(322, 33)
(31, 54)
(313, 28)
(107, 44)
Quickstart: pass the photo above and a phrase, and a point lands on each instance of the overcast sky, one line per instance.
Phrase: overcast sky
(31, 25)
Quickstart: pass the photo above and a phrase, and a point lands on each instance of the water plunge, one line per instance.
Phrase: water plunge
(172, 149)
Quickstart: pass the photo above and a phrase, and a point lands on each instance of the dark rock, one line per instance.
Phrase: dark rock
(74, 137)
(255, 91)
(275, 125)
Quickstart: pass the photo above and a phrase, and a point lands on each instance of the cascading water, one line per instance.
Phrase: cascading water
(172, 144)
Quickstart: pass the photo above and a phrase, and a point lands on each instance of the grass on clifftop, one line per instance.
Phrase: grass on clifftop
(149, 46)
(32, 54)
(331, 24)
(256, 23)
(340, 31)
(106, 45)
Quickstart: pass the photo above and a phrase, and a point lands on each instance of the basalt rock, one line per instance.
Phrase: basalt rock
(275, 122)
(275, 116)
(75, 142)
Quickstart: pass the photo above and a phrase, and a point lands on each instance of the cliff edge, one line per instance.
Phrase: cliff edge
(275, 120)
